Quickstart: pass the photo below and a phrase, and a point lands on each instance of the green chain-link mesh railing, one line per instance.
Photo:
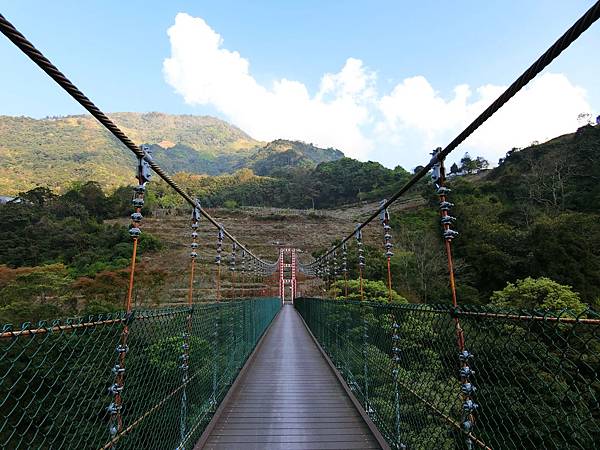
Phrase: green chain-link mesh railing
(537, 378)
(55, 377)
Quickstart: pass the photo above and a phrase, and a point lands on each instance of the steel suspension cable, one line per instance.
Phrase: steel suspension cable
(570, 36)
(17, 38)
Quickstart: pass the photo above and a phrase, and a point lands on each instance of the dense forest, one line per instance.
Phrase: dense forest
(530, 224)
(58, 257)
(534, 218)
(326, 185)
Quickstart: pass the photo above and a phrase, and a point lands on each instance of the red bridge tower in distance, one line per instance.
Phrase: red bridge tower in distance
(287, 274)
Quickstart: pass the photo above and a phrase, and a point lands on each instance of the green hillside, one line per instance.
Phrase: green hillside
(282, 154)
(513, 224)
(536, 214)
(561, 174)
(56, 151)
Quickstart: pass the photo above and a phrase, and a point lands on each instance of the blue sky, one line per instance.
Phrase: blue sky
(115, 52)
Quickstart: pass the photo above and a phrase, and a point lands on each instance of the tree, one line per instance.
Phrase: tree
(454, 168)
(468, 164)
(37, 196)
(481, 163)
(584, 119)
(539, 293)
(374, 291)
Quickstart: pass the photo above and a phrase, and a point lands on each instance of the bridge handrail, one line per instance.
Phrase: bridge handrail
(56, 380)
(537, 372)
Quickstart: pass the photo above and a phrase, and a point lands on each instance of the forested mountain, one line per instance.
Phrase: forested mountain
(536, 215)
(326, 185)
(283, 155)
(55, 151)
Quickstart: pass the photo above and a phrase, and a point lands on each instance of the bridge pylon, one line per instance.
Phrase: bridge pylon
(288, 268)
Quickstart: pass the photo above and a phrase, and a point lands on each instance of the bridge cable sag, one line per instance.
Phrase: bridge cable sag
(17, 38)
(570, 36)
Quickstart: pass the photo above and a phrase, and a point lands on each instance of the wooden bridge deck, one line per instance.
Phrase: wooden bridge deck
(288, 398)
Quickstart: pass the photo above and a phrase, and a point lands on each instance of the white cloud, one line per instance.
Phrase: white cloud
(204, 72)
(400, 127)
(546, 108)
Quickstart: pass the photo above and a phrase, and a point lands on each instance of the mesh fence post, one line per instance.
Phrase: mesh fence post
(215, 356)
(365, 351)
(395, 375)
(185, 346)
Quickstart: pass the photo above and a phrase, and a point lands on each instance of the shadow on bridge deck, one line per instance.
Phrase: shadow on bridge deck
(288, 398)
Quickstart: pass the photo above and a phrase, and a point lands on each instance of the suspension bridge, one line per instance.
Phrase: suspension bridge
(295, 372)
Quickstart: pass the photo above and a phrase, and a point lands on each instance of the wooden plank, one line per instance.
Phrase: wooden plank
(330, 420)
(295, 446)
(291, 439)
(288, 398)
(286, 425)
(287, 432)
(297, 438)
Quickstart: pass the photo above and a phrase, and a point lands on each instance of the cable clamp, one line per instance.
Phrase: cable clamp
(113, 409)
(464, 356)
(144, 171)
(196, 212)
(122, 349)
(435, 155)
(467, 426)
(115, 389)
(436, 169)
(468, 389)
(449, 234)
(470, 406)
(358, 234)
(384, 215)
(466, 372)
